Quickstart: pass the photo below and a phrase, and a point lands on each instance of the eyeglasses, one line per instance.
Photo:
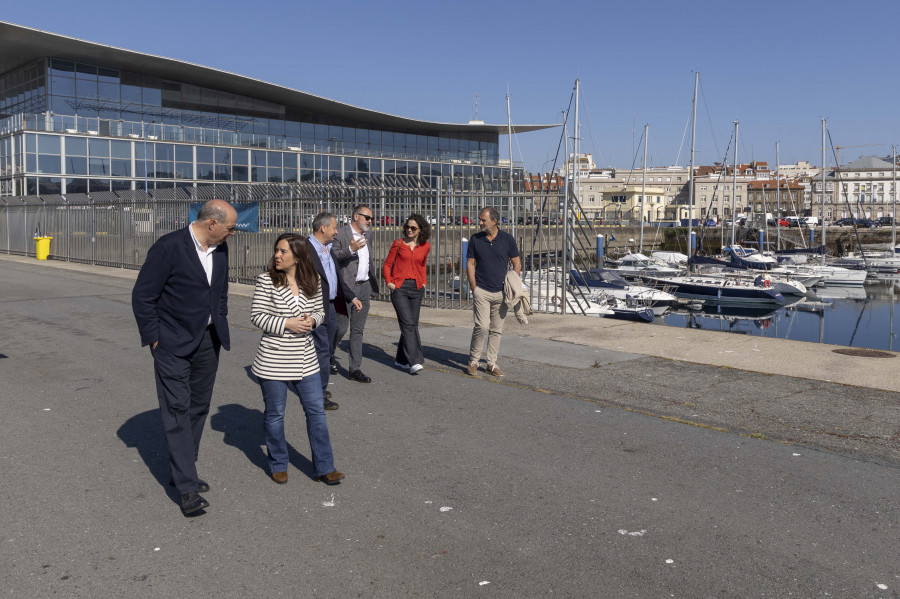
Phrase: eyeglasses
(366, 216)
(408, 228)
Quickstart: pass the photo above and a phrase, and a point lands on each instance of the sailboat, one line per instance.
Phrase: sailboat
(610, 283)
(719, 289)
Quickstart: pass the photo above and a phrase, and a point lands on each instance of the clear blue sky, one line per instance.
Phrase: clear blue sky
(777, 67)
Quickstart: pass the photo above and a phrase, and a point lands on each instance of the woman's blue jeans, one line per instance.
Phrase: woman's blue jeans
(309, 389)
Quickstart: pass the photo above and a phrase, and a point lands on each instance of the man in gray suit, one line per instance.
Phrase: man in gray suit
(353, 253)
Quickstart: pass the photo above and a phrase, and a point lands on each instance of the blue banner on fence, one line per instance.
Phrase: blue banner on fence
(247, 216)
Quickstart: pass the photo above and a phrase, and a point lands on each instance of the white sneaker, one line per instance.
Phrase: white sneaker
(403, 366)
(415, 368)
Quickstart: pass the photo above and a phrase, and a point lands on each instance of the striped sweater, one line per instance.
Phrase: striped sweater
(283, 355)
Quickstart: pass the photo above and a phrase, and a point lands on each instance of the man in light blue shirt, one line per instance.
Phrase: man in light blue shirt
(324, 228)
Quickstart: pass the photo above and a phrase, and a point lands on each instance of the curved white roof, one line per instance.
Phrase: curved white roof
(22, 45)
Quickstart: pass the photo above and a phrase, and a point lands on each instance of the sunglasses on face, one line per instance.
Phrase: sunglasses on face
(367, 217)
(411, 228)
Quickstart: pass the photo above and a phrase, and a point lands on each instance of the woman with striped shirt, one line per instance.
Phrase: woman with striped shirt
(287, 305)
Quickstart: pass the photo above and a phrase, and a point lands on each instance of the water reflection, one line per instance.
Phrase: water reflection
(850, 316)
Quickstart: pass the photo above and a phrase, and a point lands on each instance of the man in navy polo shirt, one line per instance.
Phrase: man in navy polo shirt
(487, 262)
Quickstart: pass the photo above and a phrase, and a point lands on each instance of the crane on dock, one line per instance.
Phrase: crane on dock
(838, 148)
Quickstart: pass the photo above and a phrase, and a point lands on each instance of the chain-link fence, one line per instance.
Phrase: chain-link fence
(116, 229)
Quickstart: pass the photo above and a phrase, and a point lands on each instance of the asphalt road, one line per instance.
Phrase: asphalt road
(575, 476)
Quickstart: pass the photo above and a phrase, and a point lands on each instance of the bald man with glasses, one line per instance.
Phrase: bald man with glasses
(180, 303)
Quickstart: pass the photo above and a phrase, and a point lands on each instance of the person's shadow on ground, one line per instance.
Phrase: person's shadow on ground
(242, 427)
(436, 355)
(144, 432)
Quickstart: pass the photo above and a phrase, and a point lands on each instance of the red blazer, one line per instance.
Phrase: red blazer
(402, 263)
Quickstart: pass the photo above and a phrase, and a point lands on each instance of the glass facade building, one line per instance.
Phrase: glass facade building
(80, 121)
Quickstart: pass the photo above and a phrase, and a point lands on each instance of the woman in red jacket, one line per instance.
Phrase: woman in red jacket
(404, 272)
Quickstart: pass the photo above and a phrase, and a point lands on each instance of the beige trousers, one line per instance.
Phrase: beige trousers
(488, 314)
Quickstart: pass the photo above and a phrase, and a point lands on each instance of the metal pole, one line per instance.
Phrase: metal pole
(734, 183)
(439, 218)
(566, 245)
(894, 202)
(823, 189)
(511, 211)
(144, 138)
(777, 199)
(691, 180)
(644, 186)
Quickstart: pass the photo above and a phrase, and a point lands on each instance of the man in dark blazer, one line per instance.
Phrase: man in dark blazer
(334, 291)
(180, 302)
(356, 267)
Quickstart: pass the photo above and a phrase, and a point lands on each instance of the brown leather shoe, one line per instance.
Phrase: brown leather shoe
(493, 369)
(279, 477)
(472, 369)
(332, 478)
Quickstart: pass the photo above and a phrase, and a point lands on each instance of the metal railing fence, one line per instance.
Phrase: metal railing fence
(116, 229)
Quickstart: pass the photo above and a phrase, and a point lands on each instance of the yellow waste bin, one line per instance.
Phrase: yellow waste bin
(42, 247)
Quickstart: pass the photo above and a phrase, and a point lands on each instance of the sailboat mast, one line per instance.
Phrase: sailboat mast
(566, 246)
(823, 190)
(691, 179)
(512, 210)
(734, 184)
(777, 199)
(894, 201)
(644, 186)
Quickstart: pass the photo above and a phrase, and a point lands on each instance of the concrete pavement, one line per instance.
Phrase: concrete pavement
(612, 461)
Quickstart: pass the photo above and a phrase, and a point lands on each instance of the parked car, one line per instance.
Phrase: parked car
(885, 221)
(810, 221)
(866, 223)
(387, 220)
(783, 222)
(847, 221)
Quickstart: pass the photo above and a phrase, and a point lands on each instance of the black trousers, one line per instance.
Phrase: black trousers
(323, 338)
(407, 301)
(184, 386)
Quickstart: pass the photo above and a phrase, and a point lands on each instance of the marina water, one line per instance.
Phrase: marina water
(860, 317)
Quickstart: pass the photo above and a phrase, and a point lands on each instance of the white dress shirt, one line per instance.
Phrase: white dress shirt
(362, 270)
(206, 259)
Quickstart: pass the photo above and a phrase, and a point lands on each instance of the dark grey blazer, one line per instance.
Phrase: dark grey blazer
(347, 262)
